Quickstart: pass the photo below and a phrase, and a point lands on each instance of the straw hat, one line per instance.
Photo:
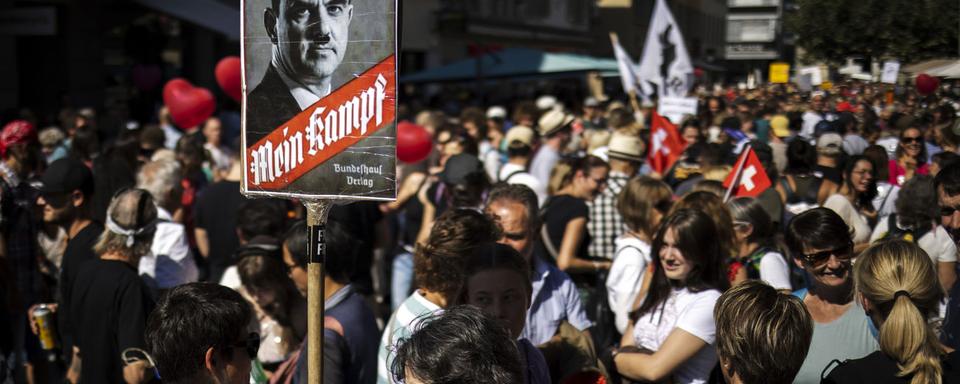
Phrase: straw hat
(553, 121)
(624, 146)
(520, 133)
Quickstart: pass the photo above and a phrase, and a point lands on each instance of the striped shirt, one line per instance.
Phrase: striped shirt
(606, 224)
(402, 324)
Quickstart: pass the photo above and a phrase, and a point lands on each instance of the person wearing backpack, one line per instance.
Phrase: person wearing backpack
(757, 256)
(520, 144)
(643, 203)
(916, 221)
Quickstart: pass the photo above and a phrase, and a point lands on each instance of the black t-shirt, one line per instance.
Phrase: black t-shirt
(557, 213)
(829, 173)
(216, 212)
(109, 305)
(879, 368)
(79, 250)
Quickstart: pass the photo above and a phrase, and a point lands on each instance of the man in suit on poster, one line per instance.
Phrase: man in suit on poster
(309, 39)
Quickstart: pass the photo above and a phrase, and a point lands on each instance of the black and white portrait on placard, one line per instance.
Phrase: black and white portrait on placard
(299, 54)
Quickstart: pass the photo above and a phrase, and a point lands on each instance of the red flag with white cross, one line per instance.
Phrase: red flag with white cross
(751, 177)
(666, 146)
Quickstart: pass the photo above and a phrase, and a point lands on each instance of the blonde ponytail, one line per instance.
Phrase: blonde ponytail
(900, 282)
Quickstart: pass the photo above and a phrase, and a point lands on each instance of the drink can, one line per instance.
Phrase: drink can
(47, 334)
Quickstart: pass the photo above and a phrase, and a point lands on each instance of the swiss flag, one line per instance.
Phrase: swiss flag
(752, 176)
(665, 144)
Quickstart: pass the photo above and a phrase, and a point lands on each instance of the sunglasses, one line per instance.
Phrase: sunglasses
(817, 259)
(57, 200)
(948, 211)
(251, 345)
(909, 140)
(515, 236)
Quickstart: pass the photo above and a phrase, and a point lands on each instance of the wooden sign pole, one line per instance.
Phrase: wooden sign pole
(317, 211)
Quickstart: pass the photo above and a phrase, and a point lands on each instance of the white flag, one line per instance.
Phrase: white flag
(628, 70)
(666, 69)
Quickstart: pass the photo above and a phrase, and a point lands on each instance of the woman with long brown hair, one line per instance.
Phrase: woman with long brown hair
(673, 333)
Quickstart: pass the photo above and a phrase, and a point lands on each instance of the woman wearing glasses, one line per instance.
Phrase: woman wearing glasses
(673, 333)
(911, 157)
(820, 243)
(573, 182)
(854, 201)
(758, 256)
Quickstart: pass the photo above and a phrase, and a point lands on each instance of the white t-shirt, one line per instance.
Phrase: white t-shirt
(936, 242)
(850, 215)
(775, 271)
(691, 312)
(626, 276)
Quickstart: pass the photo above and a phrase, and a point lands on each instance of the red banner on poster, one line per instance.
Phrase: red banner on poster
(328, 127)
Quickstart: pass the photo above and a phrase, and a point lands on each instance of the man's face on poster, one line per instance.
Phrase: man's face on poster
(311, 35)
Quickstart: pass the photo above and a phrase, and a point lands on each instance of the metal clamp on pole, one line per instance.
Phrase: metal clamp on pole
(317, 211)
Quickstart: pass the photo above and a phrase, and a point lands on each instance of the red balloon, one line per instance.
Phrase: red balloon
(189, 106)
(927, 84)
(228, 76)
(413, 142)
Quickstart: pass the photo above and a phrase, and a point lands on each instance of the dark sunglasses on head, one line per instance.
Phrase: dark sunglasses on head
(251, 345)
(908, 140)
(819, 258)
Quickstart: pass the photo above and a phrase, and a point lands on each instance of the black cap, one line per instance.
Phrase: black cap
(458, 167)
(67, 175)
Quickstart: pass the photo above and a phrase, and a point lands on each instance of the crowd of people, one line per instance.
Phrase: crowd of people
(535, 244)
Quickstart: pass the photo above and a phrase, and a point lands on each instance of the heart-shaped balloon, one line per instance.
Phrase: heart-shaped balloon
(189, 106)
(926, 84)
(413, 142)
(228, 76)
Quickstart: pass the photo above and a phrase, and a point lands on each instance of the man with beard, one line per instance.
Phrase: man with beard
(65, 196)
(310, 40)
(821, 245)
(947, 184)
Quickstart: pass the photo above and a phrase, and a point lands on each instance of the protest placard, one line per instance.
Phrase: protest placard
(319, 108)
(890, 71)
(779, 73)
(676, 107)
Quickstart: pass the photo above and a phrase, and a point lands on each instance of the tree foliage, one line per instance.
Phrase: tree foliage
(908, 30)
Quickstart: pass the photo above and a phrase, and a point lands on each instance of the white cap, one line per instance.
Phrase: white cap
(546, 102)
(496, 112)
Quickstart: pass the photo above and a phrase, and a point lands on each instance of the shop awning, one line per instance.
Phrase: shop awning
(513, 63)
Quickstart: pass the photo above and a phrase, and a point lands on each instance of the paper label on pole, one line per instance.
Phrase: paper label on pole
(779, 73)
(676, 107)
(319, 100)
(890, 71)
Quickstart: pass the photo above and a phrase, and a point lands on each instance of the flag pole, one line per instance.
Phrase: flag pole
(633, 101)
(738, 171)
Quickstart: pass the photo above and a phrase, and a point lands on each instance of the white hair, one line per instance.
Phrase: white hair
(159, 178)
